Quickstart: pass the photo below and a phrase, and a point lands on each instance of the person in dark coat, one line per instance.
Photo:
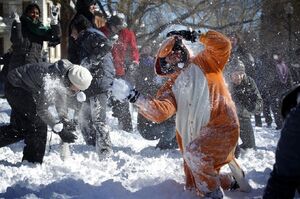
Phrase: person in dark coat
(240, 51)
(126, 60)
(278, 80)
(295, 67)
(4, 62)
(32, 89)
(95, 55)
(28, 34)
(86, 9)
(247, 99)
(284, 180)
(148, 82)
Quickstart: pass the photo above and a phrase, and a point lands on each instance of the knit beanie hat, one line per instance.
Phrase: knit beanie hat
(236, 65)
(115, 21)
(80, 77)
(81, 23)
(84, 4)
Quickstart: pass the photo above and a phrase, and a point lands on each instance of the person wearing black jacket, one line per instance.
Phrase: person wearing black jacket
(32, 89)
(4, 61)
(247, 99)
(284, 180)
(95, 55)
(148, 82)
(86, 9)
(28, 34)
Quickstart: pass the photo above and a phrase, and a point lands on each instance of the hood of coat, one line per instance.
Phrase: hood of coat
(94, 43)
(71, 74)
(82, 7)
(33, 11)
(169, 46)
(60, 67)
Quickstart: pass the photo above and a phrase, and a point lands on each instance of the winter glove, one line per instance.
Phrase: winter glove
(133, 95)
(16, 17)
(123, 91)
(64, 129)
(54, 14)
(69, 125)
(186, 34)
(67, 136)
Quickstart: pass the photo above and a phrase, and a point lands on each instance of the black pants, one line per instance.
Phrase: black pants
(271, 101)
(246, 133)
(121, 111)
(164, 131)
(24, 124)
(281, 187)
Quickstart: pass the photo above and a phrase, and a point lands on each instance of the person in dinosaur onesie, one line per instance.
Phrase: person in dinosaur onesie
(207, 127)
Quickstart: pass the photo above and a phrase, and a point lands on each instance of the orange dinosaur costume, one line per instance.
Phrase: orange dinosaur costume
(206, 122)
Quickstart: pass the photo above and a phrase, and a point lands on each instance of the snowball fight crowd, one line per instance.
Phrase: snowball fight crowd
(200, 104)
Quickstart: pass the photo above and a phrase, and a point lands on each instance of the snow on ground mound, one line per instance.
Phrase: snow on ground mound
(135, 170)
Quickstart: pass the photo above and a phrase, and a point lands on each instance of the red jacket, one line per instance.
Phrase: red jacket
(124, 50)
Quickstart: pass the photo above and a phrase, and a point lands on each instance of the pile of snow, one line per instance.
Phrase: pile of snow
(135, 170)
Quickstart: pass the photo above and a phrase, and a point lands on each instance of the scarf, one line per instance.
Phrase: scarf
(34, 27)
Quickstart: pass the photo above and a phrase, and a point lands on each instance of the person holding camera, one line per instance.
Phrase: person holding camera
(28, 34)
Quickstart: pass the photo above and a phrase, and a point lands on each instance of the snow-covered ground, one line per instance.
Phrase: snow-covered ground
(135, 170)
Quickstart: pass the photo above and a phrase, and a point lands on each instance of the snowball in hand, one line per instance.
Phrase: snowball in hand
(120, 89)
(58, 127)
(81, 97)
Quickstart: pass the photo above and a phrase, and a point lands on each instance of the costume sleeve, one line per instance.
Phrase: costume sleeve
(160, 108)
(216, 52)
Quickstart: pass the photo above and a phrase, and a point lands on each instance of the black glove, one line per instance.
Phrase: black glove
(69, 125)
(186, 34)
(67, 136)
(133, 95)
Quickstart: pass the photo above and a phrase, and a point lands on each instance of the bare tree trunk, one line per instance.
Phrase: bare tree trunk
(67, 13)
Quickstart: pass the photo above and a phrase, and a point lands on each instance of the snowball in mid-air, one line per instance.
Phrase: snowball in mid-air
(275, 57)
(81, 97)
(120, 89)
(180, 65)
